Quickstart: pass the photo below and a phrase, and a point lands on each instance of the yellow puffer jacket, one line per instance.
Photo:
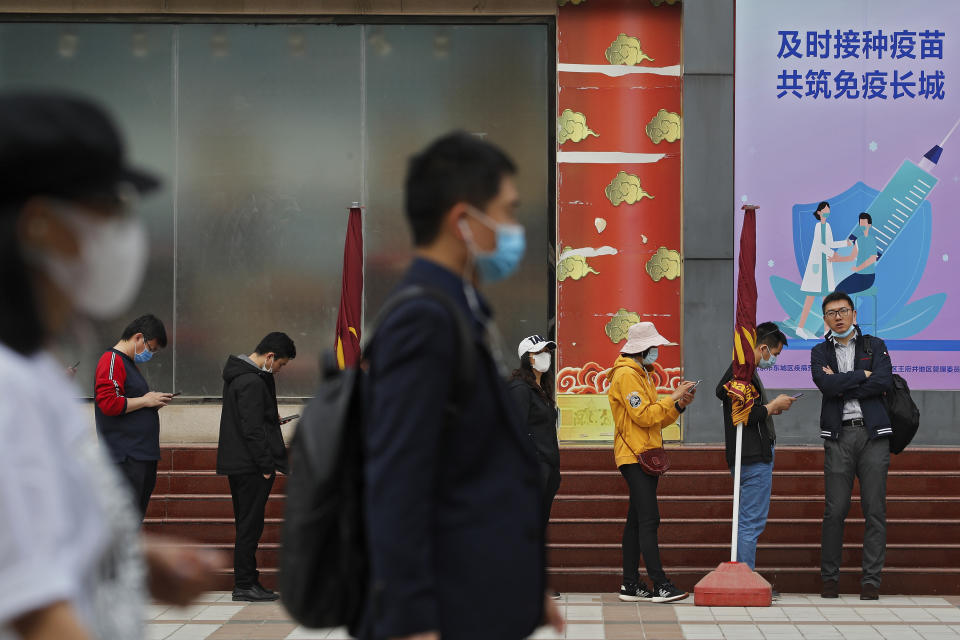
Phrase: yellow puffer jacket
(638, 414)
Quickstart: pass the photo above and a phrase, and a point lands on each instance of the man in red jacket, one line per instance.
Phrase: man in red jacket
(127, 412)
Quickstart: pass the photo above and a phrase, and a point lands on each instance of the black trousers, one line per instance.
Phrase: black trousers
(249, 492)
(142, 477)
(549, 484)
(640, 532)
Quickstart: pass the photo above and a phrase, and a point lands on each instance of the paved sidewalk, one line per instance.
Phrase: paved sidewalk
(603, 616)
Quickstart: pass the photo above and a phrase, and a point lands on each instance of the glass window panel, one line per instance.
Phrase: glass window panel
(268, 164)
(127, 68)
(425, 80)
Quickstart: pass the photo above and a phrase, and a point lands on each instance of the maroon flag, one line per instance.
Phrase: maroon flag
(351, 292)
(740, 389)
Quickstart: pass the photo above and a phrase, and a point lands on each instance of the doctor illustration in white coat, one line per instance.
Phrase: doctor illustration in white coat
(818, 280)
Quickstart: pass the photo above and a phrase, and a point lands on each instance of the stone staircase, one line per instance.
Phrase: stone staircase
(923, 516)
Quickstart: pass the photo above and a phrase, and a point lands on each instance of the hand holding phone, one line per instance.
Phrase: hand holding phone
(174, 395)
(797, 395)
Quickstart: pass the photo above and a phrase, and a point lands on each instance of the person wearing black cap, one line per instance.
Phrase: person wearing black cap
(72, 561)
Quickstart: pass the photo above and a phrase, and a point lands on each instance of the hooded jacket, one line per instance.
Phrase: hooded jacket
(639, 414)
(250, 437)
(758, 433)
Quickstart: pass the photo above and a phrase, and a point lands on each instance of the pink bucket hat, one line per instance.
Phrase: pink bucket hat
(642, 336)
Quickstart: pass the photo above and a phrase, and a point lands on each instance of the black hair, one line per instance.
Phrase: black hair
(640, 356)
(458, 167)
(769, 333)
(22, 328)
(835, 296)
(151, 328)
(525, 372)
(865, 216)
(279, 344)
(820, 207)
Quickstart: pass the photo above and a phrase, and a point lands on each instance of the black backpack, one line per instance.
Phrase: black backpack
(901, 409)
(324, 568)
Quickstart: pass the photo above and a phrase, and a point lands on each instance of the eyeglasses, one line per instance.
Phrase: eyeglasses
(837, 313)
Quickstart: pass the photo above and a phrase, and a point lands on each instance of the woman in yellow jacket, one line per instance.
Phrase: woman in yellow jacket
(639, 415)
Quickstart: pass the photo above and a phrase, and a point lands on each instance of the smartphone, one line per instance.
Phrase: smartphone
(797, 395)
(77, 364)
(696, 383)
(289, 418)
(174, 395)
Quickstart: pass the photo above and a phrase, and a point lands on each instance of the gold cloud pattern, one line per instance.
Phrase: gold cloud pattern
(666, 125)
(572, 126)
(665, 263)
(619, 324)
(626, 50)
(625, 187)
(574, 267)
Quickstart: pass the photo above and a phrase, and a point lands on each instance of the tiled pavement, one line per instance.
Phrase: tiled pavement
(602, 616)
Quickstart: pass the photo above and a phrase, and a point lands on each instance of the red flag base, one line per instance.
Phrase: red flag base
(732, 584)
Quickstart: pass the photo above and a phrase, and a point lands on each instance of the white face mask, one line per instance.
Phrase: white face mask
(541, 361)
(103, 279)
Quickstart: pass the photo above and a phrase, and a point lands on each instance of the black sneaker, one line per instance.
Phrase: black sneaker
(666, 592)
(263, 590)
(253, 594)
(635, 592)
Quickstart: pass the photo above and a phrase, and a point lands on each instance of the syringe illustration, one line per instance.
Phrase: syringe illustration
(901, 198)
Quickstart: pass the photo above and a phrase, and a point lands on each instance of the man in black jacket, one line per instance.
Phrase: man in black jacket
(756, 457)
(852, 371)
(251, 451)
(452, 498)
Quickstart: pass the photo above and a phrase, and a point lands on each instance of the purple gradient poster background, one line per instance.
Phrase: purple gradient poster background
(792, 152)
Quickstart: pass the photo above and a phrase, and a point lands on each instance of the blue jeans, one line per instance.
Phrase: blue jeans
(756, 480)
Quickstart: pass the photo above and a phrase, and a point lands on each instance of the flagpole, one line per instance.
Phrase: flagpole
(736, 494)
(735, 583)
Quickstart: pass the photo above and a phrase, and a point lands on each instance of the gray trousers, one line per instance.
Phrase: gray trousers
(854, 454)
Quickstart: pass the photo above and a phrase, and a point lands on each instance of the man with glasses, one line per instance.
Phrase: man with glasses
(852, 372)
(127, 412)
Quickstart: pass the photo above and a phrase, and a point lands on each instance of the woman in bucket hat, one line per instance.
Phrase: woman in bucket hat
(639, 415)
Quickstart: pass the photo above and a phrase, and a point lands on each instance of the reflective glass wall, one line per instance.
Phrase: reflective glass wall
(264, 135)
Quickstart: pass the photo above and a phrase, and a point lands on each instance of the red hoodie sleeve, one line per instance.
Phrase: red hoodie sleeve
(108, 389)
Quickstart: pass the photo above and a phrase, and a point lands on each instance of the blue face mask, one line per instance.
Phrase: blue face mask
(500, 263)
(766, 363)
(143, 356)
(845, 333)
(651, 356)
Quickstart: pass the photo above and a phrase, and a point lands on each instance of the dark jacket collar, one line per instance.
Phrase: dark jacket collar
(430, 273)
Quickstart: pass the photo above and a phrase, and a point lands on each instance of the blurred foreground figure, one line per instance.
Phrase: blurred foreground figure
(73, 564)
(452, 481)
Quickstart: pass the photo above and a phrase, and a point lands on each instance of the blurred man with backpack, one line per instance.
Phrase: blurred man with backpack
(452, 484)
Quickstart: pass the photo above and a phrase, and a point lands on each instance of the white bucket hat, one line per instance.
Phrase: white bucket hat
(642, 336)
